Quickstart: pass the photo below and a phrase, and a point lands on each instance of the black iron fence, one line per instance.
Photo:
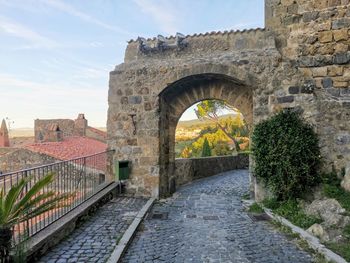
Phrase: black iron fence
(81, 178)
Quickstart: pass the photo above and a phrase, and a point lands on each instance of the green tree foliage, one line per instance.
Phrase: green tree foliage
(206, 151)
(17, 206)
(224, 134)
(287, 155)
(186, 153)
(209, 110)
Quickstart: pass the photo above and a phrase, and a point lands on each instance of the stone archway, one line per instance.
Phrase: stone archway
(179, 96)
(150, 90)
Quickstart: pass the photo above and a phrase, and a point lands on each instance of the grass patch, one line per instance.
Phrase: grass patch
(246, 196)
(285, 229)
(292, 211)
(342, 249)
(338, 193)
(256, 208)
(332, 189)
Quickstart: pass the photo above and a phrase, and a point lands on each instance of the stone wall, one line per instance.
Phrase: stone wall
(42, 131)
(187, 170)
(19, 158)
(314, 36)
(300, 60)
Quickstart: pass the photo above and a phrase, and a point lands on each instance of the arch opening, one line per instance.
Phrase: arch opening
(181, 95)
(211, 128)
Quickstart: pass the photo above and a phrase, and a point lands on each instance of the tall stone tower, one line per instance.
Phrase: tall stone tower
(4, 135)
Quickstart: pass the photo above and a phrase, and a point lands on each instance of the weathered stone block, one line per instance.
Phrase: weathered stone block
(132, 142)
(325, 36)
(294, 90)
(341, 47)
(341, 34)
(342, 58)
(332, 3)
(327, 83)
(335, 71)
(292, 9)
(341, 23)
(323, 26)
(341, 84)
(334, 92)
(148, 106)
(285, 99)
(292, 19)
(135, 99)
(308, 87)
(312, 16)
(319, 72)
(346, 180)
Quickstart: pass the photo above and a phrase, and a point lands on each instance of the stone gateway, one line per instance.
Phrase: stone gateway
(301, 59)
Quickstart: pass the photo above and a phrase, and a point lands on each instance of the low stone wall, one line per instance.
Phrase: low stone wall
(187, 170)
(19, 158)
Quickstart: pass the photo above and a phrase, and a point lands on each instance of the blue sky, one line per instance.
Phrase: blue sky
(55, 55)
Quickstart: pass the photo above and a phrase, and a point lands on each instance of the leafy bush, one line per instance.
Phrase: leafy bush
(287, 155)
(291, 210)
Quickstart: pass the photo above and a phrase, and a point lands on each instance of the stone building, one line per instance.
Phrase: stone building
(4, 135)
(56, 129)
(301, 59)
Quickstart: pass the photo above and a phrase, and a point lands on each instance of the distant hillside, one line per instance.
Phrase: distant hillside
(22, 132)
(29, 132)
(196, 122)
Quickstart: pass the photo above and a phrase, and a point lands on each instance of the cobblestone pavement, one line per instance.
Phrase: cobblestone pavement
(96, 238)
(205, 222)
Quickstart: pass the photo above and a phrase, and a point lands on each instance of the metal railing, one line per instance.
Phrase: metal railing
(81, 178)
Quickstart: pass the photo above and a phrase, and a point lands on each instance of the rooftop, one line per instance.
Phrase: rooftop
(69, 148)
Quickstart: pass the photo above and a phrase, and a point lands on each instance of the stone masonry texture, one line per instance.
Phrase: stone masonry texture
(206, 222)
(96, 238)
(301, 59)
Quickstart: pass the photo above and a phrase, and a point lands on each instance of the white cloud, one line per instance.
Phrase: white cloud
(25, 100)
(164, 15)
(68, 9)
(18, 30)
(14, 84)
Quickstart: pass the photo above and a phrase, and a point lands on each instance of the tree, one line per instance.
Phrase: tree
(186, 153)
(206, 151)
(18, 206)
(209, 110)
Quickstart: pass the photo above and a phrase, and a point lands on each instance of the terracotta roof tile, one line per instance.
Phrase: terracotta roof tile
(97, 131)
(69, 148)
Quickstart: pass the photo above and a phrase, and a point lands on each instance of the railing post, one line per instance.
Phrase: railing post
(84, 174)
(27, 221)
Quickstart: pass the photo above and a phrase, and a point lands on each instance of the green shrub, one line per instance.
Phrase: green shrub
(286, 154)
(291, 210)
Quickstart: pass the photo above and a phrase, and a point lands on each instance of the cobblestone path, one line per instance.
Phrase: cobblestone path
(96, 238)
(205, 222)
